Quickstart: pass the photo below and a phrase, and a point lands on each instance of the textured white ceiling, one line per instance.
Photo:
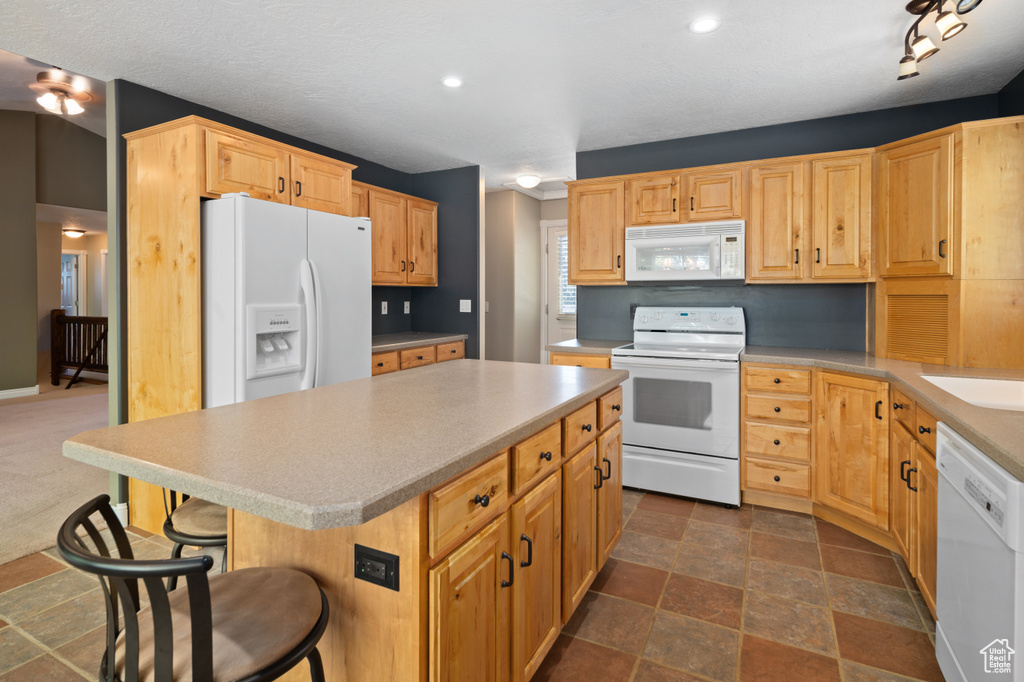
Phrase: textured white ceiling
(18, 72)
(543, 79)
(93, 222)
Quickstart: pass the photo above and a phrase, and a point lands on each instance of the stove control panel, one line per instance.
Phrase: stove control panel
(707, 320)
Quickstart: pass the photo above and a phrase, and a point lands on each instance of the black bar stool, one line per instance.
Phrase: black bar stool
(247, 626)
(196, 523)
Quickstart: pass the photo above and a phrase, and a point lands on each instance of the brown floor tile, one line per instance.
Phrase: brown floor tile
(716, 513)
(922, 610)
(789, 582)
(611, 622)
(43, 668)
(3, 623)
(715, 603)
(854, 564)
(775, 548)
(138, 531)
(87, 651)
(693, 646)
(652, 672)
(831, 534)
(901, 566)
(631, 581)
(657, 524)
(855, 672)
(26, 569)
(631, 497)
(577, 659)
(888, 647)
(29, 599)
(774, 510)
(872, 600)
(16, 649)
(785, 525)
(765, 661)
(68, 620)
(647, 550)
(666, 504)
(789, 622)
(733, 540)
(711, 564)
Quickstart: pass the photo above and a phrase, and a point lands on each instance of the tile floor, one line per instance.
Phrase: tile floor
(693, 592)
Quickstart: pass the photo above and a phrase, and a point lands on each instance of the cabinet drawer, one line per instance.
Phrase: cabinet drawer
(769, 379)
(925, 431)
(579, 428)
(536, 457)
(454, 509)
(903, 410)
(451, 351)
(777, 477)
(791, 442)
(417, 357)
(580, 360)
(384, 363)
(609, 408)
(777, 407)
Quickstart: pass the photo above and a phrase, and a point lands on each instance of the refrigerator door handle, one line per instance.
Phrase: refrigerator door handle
(309, 298)
(318, 295)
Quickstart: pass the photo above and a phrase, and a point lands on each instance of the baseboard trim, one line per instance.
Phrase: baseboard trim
(121, 511)
(19, 392)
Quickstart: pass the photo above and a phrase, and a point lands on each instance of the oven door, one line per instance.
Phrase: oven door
(690, 406)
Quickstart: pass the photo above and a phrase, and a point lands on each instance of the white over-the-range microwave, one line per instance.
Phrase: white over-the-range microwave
(691, 251)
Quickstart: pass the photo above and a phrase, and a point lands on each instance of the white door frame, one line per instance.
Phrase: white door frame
(544, 255)
(81, 279)
(103, 282)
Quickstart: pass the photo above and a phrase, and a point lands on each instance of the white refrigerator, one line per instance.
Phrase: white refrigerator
(286, 299)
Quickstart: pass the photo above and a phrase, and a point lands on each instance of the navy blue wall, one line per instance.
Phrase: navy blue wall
(1011, 97)
(802, 315)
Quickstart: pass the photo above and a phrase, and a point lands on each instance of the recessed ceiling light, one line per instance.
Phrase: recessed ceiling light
(704, 25)
(528, 181)
(452, 81)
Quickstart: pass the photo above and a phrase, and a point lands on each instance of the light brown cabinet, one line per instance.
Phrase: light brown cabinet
(654, 200)
(360, 205)
(609, 492)
(841, 217)
(580, 480)
(714, 195)
(776, 227)
(597, 233)
(408, 358)
(404, 239)
(580, 360)
(852, 458)
(422, 242)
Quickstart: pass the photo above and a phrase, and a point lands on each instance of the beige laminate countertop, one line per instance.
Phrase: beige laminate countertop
(341, 455)
(586, 346)
(997, 433)
(389, 342)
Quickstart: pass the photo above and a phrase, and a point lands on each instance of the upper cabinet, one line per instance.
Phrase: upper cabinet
(915, 192)
(715, 195)
(654, 200)
(776, 224)
(422, 242)
(404, 238)
(597, 233)
(661, 198)
(841, 217)
(360, 206)
(320, 185)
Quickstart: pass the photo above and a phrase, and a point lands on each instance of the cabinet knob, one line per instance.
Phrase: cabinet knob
(897, 406)
(923, 429)
(482, 500)
(778, 381)
(617, 408)
(776, 441)
(419, 357)
(454, 352)
(587, 427)
(778, 409)
(546, 455)
(777, 479)
(380, 364)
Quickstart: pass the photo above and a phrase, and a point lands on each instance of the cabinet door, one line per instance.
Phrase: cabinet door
(359, 207)
(916, 208)
(321, 185)
(469, 609)
(654, 200)
(841, 190)
(902, 450)
(597, 233)
(422, 243)
(852, 466)
(715, 196)
(776, 222)
(537, 592)
(579, 528)
(239, 164)
(926, 480)
(388, 212)
(609, 495)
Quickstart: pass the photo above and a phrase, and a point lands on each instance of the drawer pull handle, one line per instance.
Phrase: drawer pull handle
(673, 204)
(546, 455)
(777, 441)
(298, 188)
(778, 409)
(419, 357)
(412, 266)
(923, 429)
(903, 470)
(579, 365)
(777, 479)
(588, 427)
(529, 551)
(380, 364)
(778, 381)
(600, 478)
(617, 408)
(818, 255)
(878, 415)
(482, 500)
(897, 406)
(941, 244)
(511, 576)
(608, 476)
(403, 266)
(910, 471)
(797, 261)
(280, 185)
(454, 352)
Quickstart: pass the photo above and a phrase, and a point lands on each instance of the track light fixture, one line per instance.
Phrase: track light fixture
(947, 23)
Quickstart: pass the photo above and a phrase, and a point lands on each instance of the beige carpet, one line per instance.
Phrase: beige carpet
(39, 487)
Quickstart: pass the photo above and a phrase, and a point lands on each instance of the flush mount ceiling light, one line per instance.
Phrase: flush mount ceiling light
(704, 25)
(452, 82)
(73, 233)
(529, 181)
(947, 23)
(59, 93)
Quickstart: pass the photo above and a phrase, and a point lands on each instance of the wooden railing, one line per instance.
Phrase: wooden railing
(78, 343)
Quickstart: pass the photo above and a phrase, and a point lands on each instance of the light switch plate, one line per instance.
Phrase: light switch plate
(406, 307)
(465, 305)
(383, 307)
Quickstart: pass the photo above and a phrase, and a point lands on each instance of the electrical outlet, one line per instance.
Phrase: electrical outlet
(465, 305)
(383, 307)
(406, 307)
(377, 567)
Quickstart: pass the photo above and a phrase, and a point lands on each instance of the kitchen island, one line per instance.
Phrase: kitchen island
(496, 485)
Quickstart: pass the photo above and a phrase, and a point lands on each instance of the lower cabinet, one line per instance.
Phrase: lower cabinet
(927, 484)
(580, 360)
(915, 481)
(393, 361)
(581, 478)
(609, 492)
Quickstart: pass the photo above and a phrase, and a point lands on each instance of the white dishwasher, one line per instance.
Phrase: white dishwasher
(980, 590)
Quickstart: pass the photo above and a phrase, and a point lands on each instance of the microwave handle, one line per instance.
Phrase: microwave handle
(716, 256)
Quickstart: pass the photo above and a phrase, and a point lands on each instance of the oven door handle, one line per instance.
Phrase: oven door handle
(675, 363)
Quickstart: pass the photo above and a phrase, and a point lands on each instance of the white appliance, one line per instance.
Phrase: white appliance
(666, 253)
(980, 591)
(286, 299)
(681, 426)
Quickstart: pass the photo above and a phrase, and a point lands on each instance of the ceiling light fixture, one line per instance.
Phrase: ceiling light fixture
(452, 82)
(947, 23)
(59, 93)
(73, 233)
(529, 181)
(704, 25)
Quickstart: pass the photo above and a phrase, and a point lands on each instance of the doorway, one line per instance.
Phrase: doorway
(72, 274)
(559, 296)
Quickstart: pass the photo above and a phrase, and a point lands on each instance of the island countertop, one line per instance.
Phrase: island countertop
(341, 455)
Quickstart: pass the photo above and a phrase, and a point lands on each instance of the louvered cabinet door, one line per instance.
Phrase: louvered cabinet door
(919, 320)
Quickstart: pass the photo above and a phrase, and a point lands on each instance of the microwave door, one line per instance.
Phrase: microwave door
(672, 259)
